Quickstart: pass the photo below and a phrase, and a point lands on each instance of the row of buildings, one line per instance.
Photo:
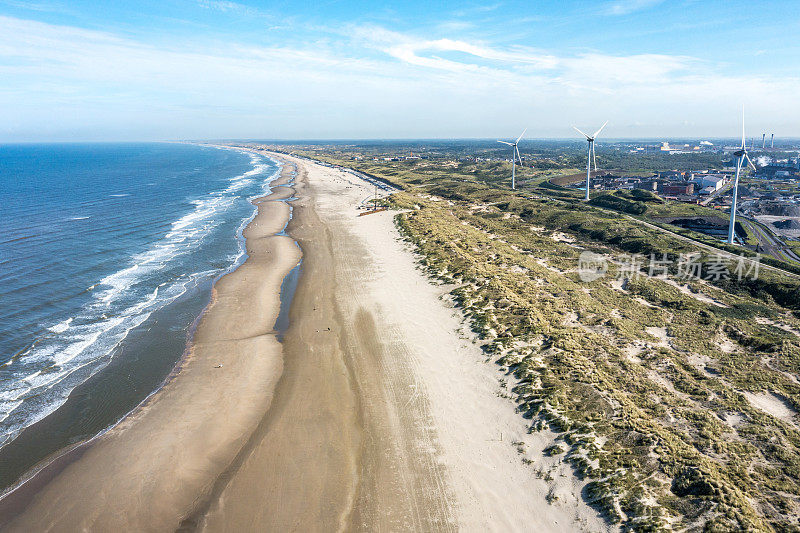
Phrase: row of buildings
(674, 148)
(672, 184)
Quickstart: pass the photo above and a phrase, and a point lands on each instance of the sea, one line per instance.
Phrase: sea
(108, 254)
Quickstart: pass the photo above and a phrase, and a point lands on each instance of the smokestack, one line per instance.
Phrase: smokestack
(763, 140)
(772, 141)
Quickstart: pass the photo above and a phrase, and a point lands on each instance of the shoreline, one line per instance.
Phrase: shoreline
(267, 219)
(155, 375)
(376, 411)
(58, 455)
(387, 416)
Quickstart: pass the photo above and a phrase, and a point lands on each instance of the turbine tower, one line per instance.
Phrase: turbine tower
(590, 155)
(741, 154)
(514, 157)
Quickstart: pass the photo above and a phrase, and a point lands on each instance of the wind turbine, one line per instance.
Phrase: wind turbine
(514, 157)
(741, 153)
(590, 155)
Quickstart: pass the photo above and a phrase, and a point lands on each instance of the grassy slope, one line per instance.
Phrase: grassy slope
(645, 419)
(645, 385)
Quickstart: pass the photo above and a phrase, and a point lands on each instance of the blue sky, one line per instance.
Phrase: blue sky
(178, 69)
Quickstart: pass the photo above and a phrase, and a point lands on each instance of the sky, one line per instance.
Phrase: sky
(216, 69)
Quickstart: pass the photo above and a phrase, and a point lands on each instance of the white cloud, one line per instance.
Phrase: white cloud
(410, 52)
(225, 6)
(454, 25)
(625, 7)
(602, 69)
(65, 82)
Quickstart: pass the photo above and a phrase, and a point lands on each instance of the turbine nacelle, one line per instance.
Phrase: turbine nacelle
(592, 137)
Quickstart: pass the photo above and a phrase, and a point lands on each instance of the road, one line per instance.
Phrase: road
(707, 247)
(714, 249)
(770, 243)
(699, 244)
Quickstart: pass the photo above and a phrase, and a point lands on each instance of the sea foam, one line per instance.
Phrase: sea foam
(42, 376)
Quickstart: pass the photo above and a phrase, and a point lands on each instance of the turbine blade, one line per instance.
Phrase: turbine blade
(742, 126)
(519, 157)
(579, 131)
(520, 135)
(601, 129)
(750, 162)
(504, 142)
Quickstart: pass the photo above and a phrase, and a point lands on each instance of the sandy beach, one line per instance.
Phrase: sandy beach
(377, 412)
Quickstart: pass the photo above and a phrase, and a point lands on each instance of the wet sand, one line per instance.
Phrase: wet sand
(388, 416)
(377, 413)
(334, 452)
(149, 471)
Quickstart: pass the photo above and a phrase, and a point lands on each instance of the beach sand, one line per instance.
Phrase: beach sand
(149, 470)
(378, 412)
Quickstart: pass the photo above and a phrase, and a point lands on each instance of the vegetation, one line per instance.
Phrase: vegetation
(673, 397)
(643, 383)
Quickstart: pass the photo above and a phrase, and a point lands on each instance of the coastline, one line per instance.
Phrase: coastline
(387, 416)
(141, 362)
(188, 400)
(377, 411)
(418, 435)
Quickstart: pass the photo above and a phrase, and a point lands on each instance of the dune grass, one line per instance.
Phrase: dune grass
(644, 384)
(668, 396)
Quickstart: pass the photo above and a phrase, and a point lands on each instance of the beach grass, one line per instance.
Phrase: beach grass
(644, 384)
(675, 399)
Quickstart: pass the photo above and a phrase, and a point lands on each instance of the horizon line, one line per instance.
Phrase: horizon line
(379, 139)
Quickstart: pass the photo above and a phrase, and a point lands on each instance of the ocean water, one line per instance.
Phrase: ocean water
(107, 255)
